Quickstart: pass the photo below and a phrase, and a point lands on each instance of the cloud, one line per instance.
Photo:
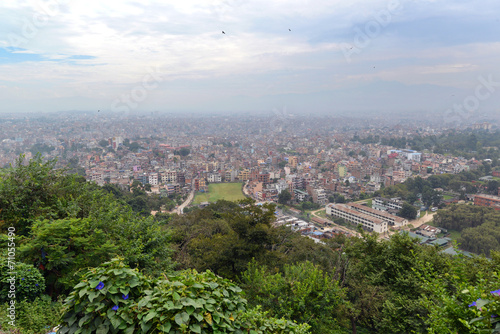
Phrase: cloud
(97, 50)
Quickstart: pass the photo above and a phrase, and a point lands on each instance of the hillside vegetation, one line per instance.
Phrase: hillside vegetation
(87, 261)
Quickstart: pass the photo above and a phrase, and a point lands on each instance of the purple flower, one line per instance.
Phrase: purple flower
(125, 297)
(22, 279)
(474, 303)
(495, 292)
(115, 308)
(99, 286)
(36, 284)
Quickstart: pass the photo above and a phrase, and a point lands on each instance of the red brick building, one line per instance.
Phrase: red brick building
(487, 200)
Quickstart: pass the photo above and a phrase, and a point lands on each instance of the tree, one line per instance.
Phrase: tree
(61, 247)
(284, 197)
(183, 152)
(301, 292)
(408, 211)
(340, 199)
(103, 143)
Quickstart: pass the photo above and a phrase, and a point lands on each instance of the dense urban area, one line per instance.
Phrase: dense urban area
(336, 224)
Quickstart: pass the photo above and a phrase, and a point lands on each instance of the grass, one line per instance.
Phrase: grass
(217, 191)
(446, 197)
(454, 234)
(322, 213)
(369, 203)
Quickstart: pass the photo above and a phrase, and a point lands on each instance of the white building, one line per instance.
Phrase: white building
(214, 178)
(346, 212)
(168, 177)
(153, 179)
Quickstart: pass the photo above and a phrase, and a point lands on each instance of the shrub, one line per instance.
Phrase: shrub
(29, 282)
(33, 317)
(116, 299)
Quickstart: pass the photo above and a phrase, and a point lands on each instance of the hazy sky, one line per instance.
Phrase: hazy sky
(305, 55)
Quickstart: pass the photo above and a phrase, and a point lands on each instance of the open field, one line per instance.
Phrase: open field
(217, 191)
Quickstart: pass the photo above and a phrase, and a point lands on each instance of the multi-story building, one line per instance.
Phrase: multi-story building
(263, 177)
(487, 200)
(168, 176)
(393, 220)
(214, 178)
(153, 179)
(384, 204)
(368, 222)
(319, 196)
(300, 195)
(244, 175)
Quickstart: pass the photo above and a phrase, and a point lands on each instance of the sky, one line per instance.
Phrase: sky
(437, 57)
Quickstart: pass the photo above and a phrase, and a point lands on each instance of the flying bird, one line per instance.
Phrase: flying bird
(223, 32)
(289, 29)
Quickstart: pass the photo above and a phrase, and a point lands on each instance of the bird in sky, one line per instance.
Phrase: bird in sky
(223, 32)
(289, 29)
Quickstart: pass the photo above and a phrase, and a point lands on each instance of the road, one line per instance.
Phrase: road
(245, 190)
(423, 220)
(186, 202)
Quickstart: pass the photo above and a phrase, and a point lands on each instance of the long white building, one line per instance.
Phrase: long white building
(392, 219)
(348, 213)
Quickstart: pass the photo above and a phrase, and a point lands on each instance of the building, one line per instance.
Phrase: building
(300, 195)
(168, 177)
(348, 213)
(487, 200)
(385, 204)
(319, 196)
(393, 220)
(244, 175)
(214, 178)
(153, 179)
(293, 161)
(263, 177)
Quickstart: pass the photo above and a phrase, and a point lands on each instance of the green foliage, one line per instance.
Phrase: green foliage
(25, 192)
(303, 293)
(408, 211)
(32, 317)
(458, 297)
(384, 290)
(284, 197)
(29, 283)
(116, 299)
(65, 224)
(64, 246)
(479, 226)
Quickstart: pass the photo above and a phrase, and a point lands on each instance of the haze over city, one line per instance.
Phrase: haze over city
(250, 56)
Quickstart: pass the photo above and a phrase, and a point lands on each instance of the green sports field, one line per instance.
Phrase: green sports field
(217, 191)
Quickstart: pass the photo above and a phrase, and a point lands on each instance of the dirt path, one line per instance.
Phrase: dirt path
(186, 202)
(423, 220)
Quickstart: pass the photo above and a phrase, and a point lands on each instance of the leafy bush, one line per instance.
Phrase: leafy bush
(116, 299)
(32, 317)
(29, 282)
(302, 292)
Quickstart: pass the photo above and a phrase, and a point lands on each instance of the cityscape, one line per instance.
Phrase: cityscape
(249, 167)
